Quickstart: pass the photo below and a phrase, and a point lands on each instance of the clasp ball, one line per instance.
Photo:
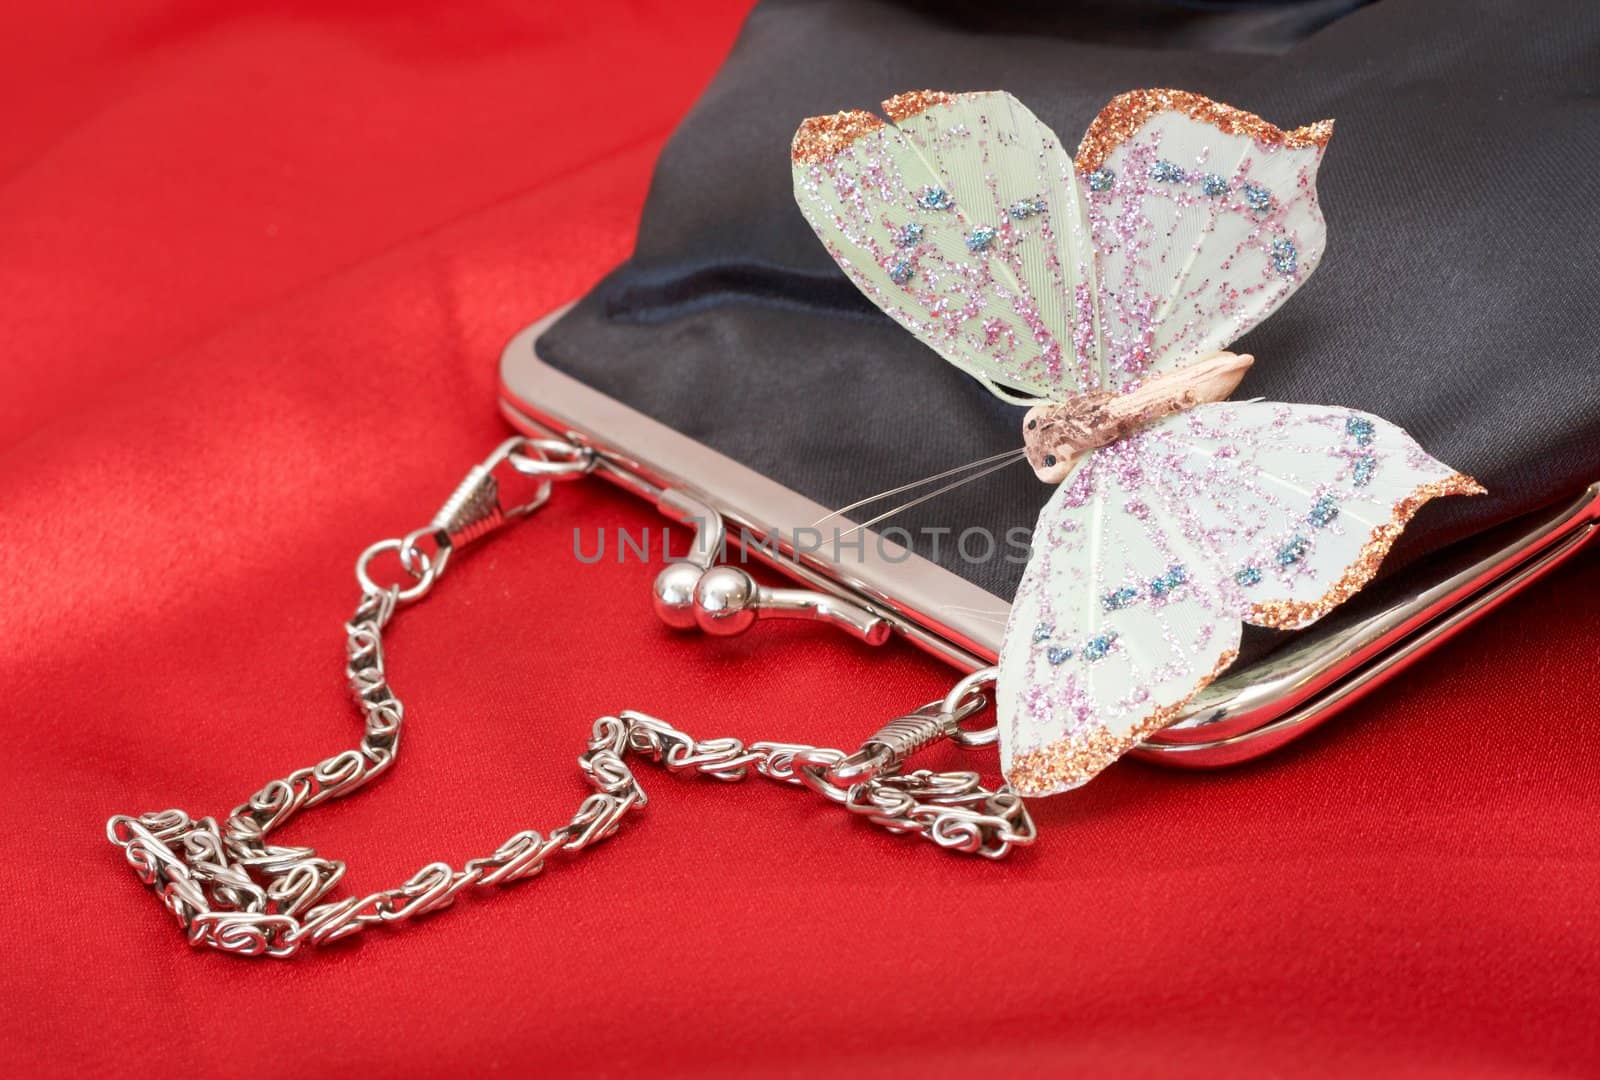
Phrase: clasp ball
(725, 601)
(674, 594)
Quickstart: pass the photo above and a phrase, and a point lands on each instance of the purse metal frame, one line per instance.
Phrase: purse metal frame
(1250, 711)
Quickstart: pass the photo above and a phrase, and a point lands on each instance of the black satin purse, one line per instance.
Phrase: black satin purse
(731, 361)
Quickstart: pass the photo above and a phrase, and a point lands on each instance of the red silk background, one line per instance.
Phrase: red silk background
(257, 262)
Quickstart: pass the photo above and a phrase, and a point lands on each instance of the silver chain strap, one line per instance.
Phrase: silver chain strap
(232, 890)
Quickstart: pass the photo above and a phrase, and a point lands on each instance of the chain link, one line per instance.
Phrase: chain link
(230, 889)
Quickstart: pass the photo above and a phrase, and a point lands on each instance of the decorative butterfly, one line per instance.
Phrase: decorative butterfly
(1101, 291)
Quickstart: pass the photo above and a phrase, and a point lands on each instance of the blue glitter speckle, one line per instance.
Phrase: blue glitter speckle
(1043, 631)
(1293, 551)
(980, 238)
(1121, 598)
(1025, 208)
(1257, 197)
(1101, 180)
(901, 272)
(1248, 576)
(1167, 172)
(1097, 647)
(1361, 429)
(911, 235)
(1161, 586)
(1213, 184)
(934, 198)
(1056, 654)
(1323, 511)
(1363, 471)
(1284, 256)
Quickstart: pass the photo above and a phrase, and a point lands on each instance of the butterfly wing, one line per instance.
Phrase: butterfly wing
(960, 221)
(1204, 219)
(1298, 504)
(1160, 544)
(1181, 224)
(1116, 624)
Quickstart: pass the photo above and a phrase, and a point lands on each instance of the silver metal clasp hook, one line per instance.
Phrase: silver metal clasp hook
(482, 501)
(881, 755)
(725, 600)
(886, 749)
(512, 482)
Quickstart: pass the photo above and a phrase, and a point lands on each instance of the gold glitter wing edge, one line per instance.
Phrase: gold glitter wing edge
(820, 138)
(823, 138)
(1072, 762)
(905, 105)
(1294, 614)
(1126, 114)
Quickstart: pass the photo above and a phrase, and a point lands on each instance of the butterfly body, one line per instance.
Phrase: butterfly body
(1055, 435)
(1102, 289)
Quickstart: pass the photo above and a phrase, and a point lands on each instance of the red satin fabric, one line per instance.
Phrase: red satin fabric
(256, 266)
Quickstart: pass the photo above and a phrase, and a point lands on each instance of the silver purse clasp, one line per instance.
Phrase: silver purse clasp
(725, 600)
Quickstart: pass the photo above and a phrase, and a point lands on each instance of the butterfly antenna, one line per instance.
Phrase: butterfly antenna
(919, 483)
(1013, 458)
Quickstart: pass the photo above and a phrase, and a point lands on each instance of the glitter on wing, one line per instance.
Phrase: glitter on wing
(954, 221)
